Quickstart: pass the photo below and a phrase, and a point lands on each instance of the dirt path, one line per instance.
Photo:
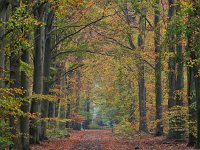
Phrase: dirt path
(106, 140)
(90, 141)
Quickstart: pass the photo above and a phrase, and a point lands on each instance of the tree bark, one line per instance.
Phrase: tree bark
(142, 98)
(15, 78)
(197, 89)
(25, 107)
(46, 79)
(24, 120)
(195, 50)
(39, 48)
(141, 73)
(191, 103)
(3, 14)
(62, 111)
(158, 70)
(172, 70)
(172, 61)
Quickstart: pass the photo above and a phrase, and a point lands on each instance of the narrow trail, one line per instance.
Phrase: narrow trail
(106, 140)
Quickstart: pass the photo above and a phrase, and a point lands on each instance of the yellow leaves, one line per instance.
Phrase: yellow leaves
(55, 120)
(11, 91)
(41, 97)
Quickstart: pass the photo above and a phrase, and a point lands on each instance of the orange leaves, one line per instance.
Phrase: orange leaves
(77, 118)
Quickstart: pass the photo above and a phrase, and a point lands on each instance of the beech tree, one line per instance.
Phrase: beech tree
(118, 64)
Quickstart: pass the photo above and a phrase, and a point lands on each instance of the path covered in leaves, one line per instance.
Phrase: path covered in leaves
(106, 140)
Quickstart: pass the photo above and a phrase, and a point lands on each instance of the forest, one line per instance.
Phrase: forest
(89, 71)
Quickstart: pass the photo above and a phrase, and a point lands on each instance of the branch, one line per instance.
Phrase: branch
(127, 47)
(5, 34)
(113, 40)
(84, 27)
(67, 72)
(85, 51)
(148, 63)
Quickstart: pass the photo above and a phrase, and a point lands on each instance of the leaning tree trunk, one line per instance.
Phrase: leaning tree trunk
(39, 48)
(158, 71)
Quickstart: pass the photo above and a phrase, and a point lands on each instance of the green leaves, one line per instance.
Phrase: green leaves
(27, 68)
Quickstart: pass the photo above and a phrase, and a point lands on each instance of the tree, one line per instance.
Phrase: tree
(39, 49)
(47, 65)
(158, 70)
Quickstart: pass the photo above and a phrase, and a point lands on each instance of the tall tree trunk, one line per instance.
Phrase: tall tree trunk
(172, 70)
(25, 107)
(196, 9)
(24, 120)
(78, 88)
(180, 123)
(158, 70)
(142, 98)
(197, 89)
(46, 79)
(39, 48)
(15, 78)
(131, 118)
(172, 61)
(87, 107)
(62, 111)
(180, 73)
(141, 74)
(15, 84)
(69, 92)
(3, 14)
(191, 104)
(193, 74)
(78, 96)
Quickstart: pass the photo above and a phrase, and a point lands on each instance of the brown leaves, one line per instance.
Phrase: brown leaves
(106, 140)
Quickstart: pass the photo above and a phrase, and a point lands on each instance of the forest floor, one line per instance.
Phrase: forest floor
(106, 140)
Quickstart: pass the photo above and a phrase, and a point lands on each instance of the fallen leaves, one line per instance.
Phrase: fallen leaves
(106, 140)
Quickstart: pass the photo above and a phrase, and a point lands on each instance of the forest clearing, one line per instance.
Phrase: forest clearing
(99, 74)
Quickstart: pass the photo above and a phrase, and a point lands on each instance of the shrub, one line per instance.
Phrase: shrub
(94, 125)
(125, 128)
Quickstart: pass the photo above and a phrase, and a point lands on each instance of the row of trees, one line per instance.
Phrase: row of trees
(33, 77)
(160, 37)
(132, 61)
